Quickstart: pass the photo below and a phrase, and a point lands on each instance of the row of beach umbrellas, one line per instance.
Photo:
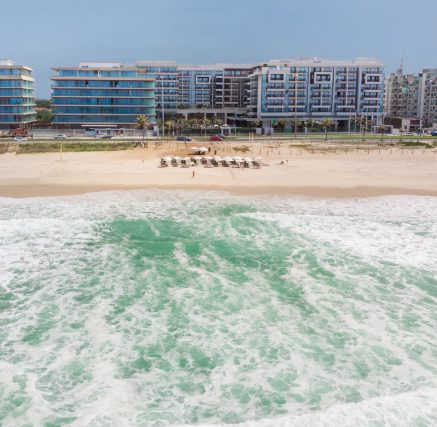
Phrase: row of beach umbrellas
(208, 161)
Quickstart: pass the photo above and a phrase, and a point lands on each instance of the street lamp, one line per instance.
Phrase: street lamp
(162, 106)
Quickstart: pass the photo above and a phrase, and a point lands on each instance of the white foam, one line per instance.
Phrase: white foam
(61, 242)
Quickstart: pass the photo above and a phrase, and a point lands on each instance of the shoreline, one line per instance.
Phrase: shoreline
(19, 191)
(288, 171)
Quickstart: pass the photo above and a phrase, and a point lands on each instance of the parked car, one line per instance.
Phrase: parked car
(408, 134)
(183, 138)
(60, 136)
(20, 139)
(216, 138)
(105, 136)
(434, 133)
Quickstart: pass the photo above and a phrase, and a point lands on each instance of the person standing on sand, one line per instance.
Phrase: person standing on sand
(194, 173)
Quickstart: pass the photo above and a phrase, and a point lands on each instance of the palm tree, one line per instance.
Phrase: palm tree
(143, 123)
(206, 122)
(170, 125)
(326, 123)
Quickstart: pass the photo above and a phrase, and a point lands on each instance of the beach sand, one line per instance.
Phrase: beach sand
(316, 171)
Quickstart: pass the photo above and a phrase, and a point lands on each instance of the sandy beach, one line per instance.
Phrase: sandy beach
(315, 171)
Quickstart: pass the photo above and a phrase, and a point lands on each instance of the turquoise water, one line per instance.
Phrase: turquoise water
(150, 308)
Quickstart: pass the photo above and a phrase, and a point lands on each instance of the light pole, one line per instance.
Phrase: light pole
(162, 106)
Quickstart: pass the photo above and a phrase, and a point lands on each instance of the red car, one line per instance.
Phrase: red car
(216, 138)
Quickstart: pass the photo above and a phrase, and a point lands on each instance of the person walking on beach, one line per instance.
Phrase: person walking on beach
(194, 173)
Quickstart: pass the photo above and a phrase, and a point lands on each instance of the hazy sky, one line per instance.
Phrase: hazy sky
(47, 33)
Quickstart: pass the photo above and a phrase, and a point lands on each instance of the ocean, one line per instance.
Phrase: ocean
(167, 308)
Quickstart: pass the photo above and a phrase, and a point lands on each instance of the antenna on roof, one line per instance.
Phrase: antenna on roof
(401, 67)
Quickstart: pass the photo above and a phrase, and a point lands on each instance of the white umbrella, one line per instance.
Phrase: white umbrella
(197, 158)
(167, 159)
(247, 159)
(208, 158)
(204, 149)
(227, 159)
(218, 159)
(187, 159)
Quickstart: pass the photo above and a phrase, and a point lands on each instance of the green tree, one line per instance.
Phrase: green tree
(310, 123)
(44, 116)
(43, 103)
(326, 123)
(143, 123)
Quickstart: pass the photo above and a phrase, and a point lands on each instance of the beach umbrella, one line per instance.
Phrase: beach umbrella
(247, 159)
(217, 159)
(197, 158)
(204, 149)
(208, 158)
(167, 159)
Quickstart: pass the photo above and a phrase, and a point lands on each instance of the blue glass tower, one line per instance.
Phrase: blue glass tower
(17, 100)
(102, 93)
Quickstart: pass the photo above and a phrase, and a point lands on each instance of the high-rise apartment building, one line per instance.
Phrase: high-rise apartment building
(98, 94)
(402, 95)
(17, 100)
(412, 96)
(315, 88)
(428, 97)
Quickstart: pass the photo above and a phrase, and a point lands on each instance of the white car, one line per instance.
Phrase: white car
(20, 139)
(61, 136)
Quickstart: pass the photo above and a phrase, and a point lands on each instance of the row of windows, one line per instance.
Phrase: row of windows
(103, 101)
(17, 101)
(17, 119)
(96, 119)
(16, 92)
(103, 92)
(19, 110)
(103, 84)
(99, 73)
(14, 72)
(103, 110)
(16, 83)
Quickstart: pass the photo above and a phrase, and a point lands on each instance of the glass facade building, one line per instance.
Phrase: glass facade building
(17, 100)
(102, 93)
(165, 74)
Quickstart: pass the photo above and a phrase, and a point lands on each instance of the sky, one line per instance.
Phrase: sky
(48, 33)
